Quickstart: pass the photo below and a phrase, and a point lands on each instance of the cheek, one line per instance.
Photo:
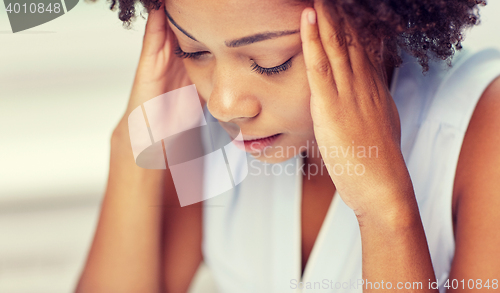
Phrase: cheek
(200, 77)
(296, 110)
(296, 99)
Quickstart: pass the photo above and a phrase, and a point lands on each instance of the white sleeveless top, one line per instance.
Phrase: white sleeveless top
(252, 233)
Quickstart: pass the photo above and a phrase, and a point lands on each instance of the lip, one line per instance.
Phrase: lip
(255, 143)
(248, 137)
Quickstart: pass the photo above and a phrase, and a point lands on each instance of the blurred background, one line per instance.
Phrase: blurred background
(63, 87)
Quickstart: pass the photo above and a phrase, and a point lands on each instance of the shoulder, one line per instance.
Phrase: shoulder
(459, 89)
(479, 151)
(477, 191)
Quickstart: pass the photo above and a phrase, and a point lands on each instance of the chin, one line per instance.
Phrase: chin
(270, 158)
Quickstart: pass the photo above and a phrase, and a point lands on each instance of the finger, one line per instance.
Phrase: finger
(319, 71)
(362, 63)
(155, 33)
(169, 44)
(369, 72)
(334, 43)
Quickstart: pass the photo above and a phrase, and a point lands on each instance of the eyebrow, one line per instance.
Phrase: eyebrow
(241, 41)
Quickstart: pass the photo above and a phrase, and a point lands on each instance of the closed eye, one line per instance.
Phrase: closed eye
(191, 55)
(272, 70)
(255, 67)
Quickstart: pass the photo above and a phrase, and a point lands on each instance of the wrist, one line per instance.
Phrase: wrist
(122, 158)
(394, 217)
(120, 135)
(127, 181)
(392, 208)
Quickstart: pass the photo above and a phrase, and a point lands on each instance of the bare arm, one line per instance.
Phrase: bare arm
(395, 250)
(350, 101)
(141, 243)
(125, 253)
(477, 237)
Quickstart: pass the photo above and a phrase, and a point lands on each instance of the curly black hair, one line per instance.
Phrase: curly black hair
(426, 29)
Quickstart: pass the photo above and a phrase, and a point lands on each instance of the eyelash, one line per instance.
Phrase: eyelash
(255, 67)
(181, 54)
(272, 70)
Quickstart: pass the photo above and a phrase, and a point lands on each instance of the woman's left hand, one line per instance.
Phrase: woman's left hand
(356, 122)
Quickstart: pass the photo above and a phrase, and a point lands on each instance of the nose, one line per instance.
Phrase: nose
(234, 97)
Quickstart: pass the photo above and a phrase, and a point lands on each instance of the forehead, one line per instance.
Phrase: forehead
(228, 19)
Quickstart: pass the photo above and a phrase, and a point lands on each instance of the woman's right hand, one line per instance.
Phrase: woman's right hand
(159, 70)
(137, 242)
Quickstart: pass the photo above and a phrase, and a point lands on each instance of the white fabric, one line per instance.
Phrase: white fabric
(252, 235)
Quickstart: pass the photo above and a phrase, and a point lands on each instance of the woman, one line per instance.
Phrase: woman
(317, 76)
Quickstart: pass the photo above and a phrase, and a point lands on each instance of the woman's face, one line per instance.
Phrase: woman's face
(229, 69)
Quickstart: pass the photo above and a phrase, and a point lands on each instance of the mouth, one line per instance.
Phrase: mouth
(256, 143)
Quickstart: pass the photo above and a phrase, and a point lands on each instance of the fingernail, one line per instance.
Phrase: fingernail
(311, 17)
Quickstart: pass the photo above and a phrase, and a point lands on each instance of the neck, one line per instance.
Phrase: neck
(314, 167)
(389, 68)
(389, 71)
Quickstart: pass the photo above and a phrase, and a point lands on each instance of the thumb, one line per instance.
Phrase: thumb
(155, 32)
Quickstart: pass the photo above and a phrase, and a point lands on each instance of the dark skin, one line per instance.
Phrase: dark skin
(129, 223)
(475, 193)
(472, 200)
(317, 194)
